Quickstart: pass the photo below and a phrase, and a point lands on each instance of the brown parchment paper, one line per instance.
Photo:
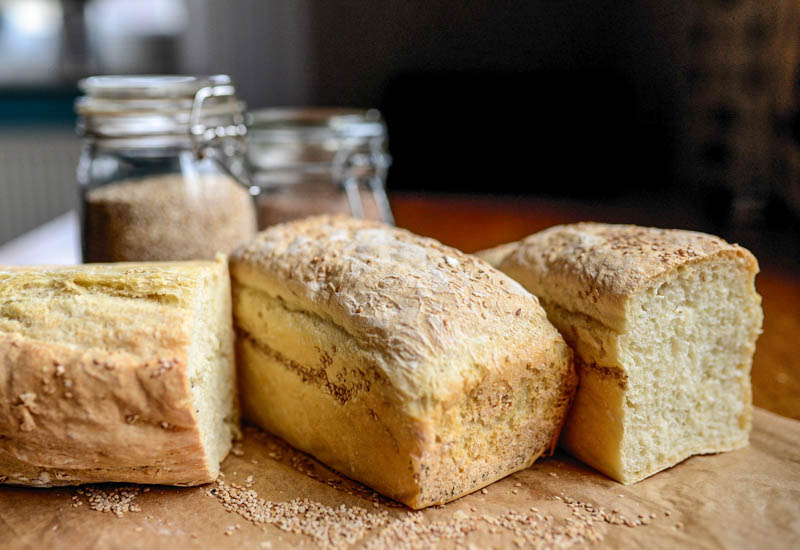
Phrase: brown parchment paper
(744, 499)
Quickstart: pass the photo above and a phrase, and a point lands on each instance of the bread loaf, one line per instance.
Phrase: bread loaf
(664, 325)
(116, 372)
(402, 363)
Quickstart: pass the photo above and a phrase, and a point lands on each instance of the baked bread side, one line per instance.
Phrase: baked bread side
(664, 325)
(116, 372)
(400, 362)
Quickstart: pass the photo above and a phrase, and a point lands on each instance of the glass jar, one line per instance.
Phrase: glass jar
(161, 173)
(309, 161)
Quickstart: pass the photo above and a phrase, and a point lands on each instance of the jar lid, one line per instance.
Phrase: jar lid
(150, 105)
(280, 138)
(315, 123)
(144, 86)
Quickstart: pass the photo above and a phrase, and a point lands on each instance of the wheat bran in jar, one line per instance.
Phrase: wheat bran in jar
(167, 217)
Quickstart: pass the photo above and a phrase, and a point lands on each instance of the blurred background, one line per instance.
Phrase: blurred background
(678, 113)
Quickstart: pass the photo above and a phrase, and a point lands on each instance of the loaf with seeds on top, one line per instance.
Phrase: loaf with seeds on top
(403, 363)
(663, 323)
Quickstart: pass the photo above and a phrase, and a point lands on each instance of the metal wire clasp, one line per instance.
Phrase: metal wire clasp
(202, 134)
(350, 168)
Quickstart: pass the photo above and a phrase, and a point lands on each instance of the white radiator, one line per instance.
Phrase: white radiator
(37, 177)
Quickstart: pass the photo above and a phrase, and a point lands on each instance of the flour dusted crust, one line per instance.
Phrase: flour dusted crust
(410, 297)
(664, 324)
(593, 268)
(401, 362)
(95, 381)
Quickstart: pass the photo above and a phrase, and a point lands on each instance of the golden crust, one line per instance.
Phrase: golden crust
(403, 363)
(592, 268)
(94, 381)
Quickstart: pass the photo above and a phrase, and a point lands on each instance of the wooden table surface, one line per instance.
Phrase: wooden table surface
(474, 223)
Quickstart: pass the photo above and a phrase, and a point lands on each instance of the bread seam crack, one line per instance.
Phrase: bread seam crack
(603, 371)
(281, 302)
(548, 305)
(317, 376)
